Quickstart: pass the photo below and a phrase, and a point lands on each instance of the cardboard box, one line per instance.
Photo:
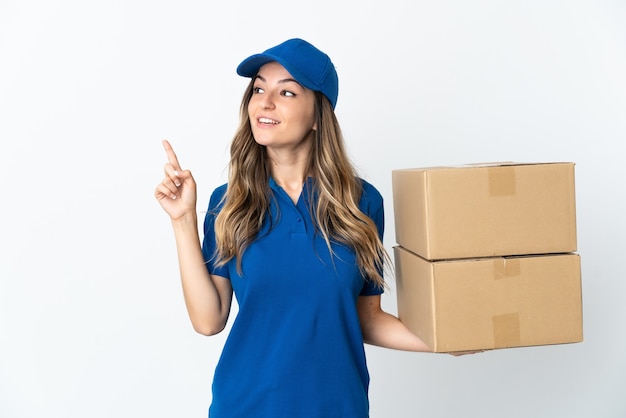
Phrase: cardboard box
(488, 303)
(485, 210)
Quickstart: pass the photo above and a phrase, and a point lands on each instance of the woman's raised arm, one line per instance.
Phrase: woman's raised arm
(207, 297)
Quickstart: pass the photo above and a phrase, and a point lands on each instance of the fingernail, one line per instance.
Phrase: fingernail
(177, 183)
(173, 197)
(176, 173)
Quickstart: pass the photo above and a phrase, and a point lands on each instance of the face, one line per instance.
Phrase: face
(281, 110)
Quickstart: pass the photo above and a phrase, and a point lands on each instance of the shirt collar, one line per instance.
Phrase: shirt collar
(306, 188)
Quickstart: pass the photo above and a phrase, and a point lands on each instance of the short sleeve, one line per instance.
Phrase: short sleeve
(208, 241)
(372, 205)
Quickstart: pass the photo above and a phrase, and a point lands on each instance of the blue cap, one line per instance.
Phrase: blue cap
(307, 65)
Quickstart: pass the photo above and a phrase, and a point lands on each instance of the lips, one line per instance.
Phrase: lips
(267, 121)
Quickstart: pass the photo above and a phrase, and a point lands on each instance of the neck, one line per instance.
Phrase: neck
(289, 167)
(289, 170)
(289, 176)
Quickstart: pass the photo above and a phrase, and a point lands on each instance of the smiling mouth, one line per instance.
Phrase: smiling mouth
(267, 121)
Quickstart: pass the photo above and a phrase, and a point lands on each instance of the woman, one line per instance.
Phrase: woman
(297, 237)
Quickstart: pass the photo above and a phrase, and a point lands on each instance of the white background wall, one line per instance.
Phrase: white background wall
(92, 321)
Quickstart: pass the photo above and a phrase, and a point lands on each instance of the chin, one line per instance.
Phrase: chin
(262, 141)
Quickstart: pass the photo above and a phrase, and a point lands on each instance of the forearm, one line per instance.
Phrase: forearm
(208, 309)
(387, 331)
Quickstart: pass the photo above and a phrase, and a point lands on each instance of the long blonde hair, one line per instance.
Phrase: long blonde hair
(335, 212)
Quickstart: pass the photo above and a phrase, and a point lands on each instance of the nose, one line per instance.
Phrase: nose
(267, 100)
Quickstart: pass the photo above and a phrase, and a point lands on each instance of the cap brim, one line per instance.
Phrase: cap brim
(251, 65)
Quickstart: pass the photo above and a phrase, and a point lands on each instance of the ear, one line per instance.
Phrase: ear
(314, 126)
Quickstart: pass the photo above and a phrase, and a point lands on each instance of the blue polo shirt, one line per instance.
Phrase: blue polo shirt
(295, 348)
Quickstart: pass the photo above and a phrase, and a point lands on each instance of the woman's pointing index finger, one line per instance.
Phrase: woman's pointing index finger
(171, 155)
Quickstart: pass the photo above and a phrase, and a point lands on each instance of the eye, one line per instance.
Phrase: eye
(257, 90)
(288, 93)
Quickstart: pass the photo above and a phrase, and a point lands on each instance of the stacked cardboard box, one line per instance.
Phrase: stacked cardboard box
(486, 255)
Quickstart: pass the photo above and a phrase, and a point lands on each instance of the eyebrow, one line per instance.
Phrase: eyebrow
(284, 80)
